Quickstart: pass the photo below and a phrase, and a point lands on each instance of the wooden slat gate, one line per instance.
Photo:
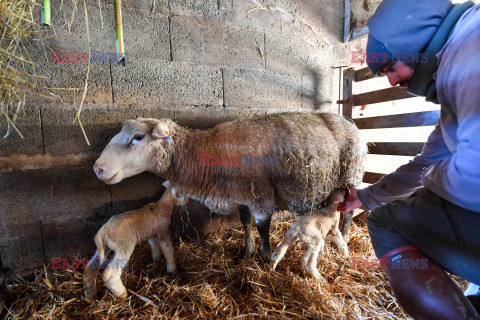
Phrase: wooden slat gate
(350, 100)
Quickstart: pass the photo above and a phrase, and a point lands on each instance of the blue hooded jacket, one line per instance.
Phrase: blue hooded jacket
(449, 164)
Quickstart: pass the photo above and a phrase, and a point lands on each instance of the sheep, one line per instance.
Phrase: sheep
(312, 229)
(122, 233)
(285, 161)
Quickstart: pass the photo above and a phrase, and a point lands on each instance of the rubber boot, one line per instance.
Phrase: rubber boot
(423, 288)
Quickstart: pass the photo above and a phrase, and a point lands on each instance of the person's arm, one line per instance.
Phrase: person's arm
(401, 183)
(457, 178)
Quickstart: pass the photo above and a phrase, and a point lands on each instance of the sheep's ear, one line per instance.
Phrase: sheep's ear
(167, 184)
(161, 131)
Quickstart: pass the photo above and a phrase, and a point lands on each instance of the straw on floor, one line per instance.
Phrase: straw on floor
(213, 282)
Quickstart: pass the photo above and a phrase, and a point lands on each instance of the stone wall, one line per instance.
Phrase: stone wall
(196, 62)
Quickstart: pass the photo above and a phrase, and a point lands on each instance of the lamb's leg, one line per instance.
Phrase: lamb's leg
(312, 264)
(113, 272)
(306, 257)
(282, 248)
(90, 275)
(336, 236)
(347, 225)
(263, 227)
(155, 250)
(167, 249)
(246, 219)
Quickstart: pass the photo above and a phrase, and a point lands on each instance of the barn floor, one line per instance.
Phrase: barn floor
(214, 283)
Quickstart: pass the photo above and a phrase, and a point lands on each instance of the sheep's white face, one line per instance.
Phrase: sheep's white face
(131, 151)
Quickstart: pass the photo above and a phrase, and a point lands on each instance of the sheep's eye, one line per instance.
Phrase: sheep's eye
(138, 137)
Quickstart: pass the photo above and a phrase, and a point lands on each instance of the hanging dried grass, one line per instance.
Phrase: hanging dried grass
(16, 24)
(214, 283)
(19, 31)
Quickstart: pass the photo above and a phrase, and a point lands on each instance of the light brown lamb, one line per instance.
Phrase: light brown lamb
(312, 229)
(256, 166)
(123, 232)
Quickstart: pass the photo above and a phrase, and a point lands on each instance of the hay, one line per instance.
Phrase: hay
(20, 35)
(16, 23)
(214, 283)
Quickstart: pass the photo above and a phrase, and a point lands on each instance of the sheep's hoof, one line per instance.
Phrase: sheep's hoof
(245, 254)
(317, 276)
(171, 272)
(273, 265)
(90, 294)
(121, 295)
(156, 258)
(266, 256)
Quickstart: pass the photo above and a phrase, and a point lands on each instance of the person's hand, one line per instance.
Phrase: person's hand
(350, 202)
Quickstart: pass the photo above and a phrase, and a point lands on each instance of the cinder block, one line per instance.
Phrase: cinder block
(318, 91)
(204, 8)
(213, 43)
(150, 81)
(33, 201)
(146, 35)
(69, 32)
(317, 20)
(64, 82)
(100, 121)
(29, 123)
(58, 194)
(344, 53)
(293, 54)
(64, 241)
(262, 89)
(273, 16)
(23, 252)
(139, 18)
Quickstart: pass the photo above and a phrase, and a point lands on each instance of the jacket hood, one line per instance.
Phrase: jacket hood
(401, 29)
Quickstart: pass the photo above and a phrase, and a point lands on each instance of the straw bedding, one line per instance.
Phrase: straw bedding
(213, 282)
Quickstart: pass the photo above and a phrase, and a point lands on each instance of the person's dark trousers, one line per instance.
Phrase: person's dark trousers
(416, 239)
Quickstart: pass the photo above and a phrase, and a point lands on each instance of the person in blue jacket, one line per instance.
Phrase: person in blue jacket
(425, 217)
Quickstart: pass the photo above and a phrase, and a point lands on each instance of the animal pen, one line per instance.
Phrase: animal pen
(198, 63)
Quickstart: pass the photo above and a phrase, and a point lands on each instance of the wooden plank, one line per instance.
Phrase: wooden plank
(416, 119)
(389, 94)
(372, 177)
(363, 74)
(395, 148)
(348, 97)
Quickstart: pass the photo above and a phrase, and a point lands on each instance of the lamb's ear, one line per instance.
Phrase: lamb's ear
(167, 184)
(161, 131)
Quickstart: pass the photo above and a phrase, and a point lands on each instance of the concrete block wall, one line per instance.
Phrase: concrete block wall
(198, 62)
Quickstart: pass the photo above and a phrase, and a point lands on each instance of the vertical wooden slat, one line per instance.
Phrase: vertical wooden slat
(348, 98)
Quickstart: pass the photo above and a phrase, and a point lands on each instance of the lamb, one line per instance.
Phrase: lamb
(122, 233)
(312, 229)
(286, 161)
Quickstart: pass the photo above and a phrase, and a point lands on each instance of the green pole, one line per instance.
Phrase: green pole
(46, 12)
(119, 32)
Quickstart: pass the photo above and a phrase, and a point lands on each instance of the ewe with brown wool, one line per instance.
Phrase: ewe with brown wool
(315, 153)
